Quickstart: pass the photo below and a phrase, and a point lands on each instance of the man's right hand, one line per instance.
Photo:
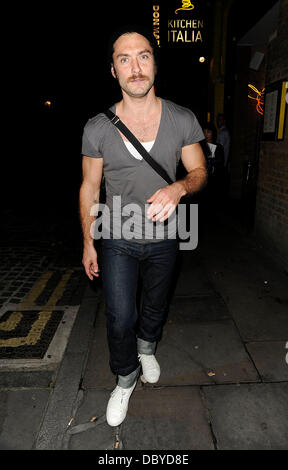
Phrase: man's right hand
(89, 262)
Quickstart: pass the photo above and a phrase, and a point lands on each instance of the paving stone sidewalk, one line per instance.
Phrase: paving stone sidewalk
(224, 377)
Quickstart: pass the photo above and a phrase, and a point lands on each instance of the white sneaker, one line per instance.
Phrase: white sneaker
(118, 405)
(150, 368)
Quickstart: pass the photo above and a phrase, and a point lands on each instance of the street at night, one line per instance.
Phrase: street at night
(223, 351)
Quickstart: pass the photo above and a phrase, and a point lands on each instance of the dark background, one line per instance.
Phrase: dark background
(57, 52)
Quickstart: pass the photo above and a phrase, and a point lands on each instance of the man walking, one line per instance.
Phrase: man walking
(169, 132)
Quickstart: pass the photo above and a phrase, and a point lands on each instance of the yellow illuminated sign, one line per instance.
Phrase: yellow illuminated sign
(180, 30)
(186, 5)
(275, 111)
(283, 102)
(156, 23)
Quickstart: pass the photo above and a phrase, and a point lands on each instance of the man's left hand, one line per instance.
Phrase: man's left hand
(165, 201)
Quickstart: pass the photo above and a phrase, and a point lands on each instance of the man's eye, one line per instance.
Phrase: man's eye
(124, 60)
(144, 57)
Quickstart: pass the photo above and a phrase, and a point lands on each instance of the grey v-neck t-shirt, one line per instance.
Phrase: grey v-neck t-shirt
(129, 181)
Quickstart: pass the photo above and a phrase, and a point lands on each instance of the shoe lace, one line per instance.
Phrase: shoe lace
(121, 390)
(149, 359)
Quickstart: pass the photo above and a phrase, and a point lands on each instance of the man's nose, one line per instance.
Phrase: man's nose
(135, 66)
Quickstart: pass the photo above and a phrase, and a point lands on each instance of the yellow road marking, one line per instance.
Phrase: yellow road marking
(12, 322)
(33, 336)
(58, 291)
(43, 317)
(36, 290)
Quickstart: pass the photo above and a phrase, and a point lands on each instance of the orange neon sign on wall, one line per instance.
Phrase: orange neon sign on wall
(259, 98)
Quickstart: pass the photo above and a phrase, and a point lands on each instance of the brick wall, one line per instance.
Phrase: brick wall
(239, 119)
(271, 218)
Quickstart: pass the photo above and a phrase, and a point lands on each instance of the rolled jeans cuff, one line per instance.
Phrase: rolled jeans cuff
(145, 347)
(126, 381)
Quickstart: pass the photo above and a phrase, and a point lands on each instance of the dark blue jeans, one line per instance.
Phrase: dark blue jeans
(123, 261)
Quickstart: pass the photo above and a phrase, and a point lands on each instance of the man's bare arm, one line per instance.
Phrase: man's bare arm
(165, 200)
(194, 161)
(89, 195)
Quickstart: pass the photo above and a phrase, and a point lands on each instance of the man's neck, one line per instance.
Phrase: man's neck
(139, 108)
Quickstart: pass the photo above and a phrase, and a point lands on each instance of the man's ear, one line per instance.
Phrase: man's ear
(113, 71)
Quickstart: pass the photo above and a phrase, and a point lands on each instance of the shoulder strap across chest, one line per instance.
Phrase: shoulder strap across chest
(139, 147)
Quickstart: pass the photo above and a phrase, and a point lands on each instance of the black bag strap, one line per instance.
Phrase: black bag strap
(139, 147)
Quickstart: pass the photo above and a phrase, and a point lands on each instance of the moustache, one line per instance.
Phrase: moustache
(136, 77)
